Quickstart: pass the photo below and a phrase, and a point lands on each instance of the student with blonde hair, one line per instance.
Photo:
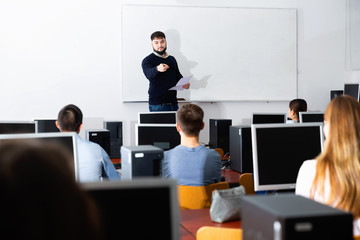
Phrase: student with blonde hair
(334, 177)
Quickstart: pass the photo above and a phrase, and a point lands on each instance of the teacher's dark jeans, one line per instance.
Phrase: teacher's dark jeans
(163, 107)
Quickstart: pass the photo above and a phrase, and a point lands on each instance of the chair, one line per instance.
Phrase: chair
(218, 233)
(221, 152)
(198, 197)
(247, 180)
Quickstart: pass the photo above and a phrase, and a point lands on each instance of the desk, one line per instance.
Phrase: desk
(230, 175)
(116, 162)
(192, 220)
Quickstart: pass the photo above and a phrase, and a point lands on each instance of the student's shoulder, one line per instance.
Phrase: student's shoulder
(309, 164)
(307, 169)
(89, 144)
(174, 150)
(208, 151)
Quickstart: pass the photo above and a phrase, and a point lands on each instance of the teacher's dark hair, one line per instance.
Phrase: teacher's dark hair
(157, 34)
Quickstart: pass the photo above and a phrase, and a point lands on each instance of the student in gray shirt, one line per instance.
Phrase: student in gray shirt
(190, 163)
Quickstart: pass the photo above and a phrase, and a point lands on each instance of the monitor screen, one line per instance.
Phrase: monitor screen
(68, 140)
(311, 117)
(263, 118)
(164, 136)
(17, 127)
(157, 117)
(352, 89)
(138, 209)
(46, 125)
(280, 149)
(335, 93)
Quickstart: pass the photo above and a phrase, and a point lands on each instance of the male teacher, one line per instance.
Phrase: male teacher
(163, 73)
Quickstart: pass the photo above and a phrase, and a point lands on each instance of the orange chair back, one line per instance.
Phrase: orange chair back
(198, 197)
(218, 233)
(247, 180)
(221, 152)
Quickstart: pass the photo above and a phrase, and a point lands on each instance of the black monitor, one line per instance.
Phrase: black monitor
(167, 117)
(164, 136)
(46, 125)
(352, 89)
(335, 93)
(311, 117)
(17, 127)
(264, 118)
(138, 209)
(68, 140)
(279, 151)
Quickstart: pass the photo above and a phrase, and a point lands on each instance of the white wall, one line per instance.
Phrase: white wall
(69, 51)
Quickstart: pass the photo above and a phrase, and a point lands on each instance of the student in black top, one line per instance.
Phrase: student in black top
(162, 71)
(295, 106)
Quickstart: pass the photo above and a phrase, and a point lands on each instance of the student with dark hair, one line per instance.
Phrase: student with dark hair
(94, 162)
(39, 196)
(296, 106)
(190, 163)
(162, 71)
(333, 177)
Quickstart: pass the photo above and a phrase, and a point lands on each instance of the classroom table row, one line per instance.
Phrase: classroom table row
(191, 220)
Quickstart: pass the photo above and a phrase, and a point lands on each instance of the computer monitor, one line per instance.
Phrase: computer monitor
(164, 136)
(311, 117)
(163, 117)
(138, 209)
(17, 127)
(68, 140)
(264, 118)
(352, 89)
(279, 151)
(335, 93)
(46, 125)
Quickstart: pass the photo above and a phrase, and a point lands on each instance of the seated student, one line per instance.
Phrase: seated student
(94, 162)
(191, 163)
(39, 196)
(333, 177)
(296, 106)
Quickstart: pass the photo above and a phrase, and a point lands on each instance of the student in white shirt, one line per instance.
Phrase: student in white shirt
(94, 162)
(333, 177)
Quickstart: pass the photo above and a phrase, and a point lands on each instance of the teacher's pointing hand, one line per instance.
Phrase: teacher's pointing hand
(162, 67)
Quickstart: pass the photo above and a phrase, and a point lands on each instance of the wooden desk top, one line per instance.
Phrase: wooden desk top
(230, 175)
(192, 220)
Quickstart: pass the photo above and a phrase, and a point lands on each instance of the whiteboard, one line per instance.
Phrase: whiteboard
(233, 54)
(354, 24)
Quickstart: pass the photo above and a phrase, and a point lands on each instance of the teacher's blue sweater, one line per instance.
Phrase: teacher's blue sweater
(160, 82)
